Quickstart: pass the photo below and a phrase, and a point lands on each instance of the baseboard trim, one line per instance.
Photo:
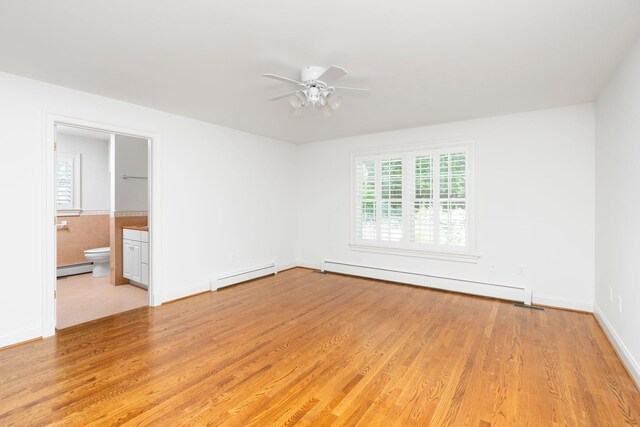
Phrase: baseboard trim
(234, 278)
(505, 292)
(184, 292)
(566, 303)
(310, 265)
(629, 362)
(70, 270)
(285, 267)
(21, 335)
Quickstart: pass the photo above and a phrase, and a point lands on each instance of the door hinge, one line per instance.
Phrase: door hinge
(55, 294)
(55, 147)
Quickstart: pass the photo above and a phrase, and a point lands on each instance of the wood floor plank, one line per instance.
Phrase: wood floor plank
(301, 348)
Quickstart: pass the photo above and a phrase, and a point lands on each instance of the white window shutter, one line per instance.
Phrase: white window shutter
(452, 199)
(415, 200)
(67, 181)
(366, 206)
(391, 218)
(421, 213)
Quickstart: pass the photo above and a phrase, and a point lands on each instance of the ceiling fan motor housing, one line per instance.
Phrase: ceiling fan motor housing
(310, 74)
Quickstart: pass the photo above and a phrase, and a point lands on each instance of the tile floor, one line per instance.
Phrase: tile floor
(82, 298)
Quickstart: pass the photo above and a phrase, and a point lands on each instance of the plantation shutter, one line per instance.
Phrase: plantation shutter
(422, 215)
(414, 200)
(452, 199)
(391, 223)
(366, 203)
(67, 181)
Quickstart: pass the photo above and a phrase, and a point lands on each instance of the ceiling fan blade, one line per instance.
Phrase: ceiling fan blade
(284, 79)
(353, 91)
(332, 73)
(284, 95)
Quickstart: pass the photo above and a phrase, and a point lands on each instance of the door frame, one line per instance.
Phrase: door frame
(49, 230)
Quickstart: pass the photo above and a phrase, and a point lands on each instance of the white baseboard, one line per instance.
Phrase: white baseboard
(69, 270)
(623, 352)
(222, 281)
(447, 284)
(20, 335)
(286, 266)
(233, 278)
(310, 264)
(174, 294)
(571, 304)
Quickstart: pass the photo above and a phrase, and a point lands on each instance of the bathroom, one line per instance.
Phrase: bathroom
(102, 224)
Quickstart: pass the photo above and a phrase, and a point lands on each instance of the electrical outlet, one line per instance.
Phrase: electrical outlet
(610, 294)
(233, 257)
(619, 304)
(521, 270)
(492, 268)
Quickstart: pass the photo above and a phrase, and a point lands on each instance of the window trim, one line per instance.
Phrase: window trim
(469, 253)
(76, 205)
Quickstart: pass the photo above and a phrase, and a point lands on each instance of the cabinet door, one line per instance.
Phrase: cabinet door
(126, 258)
(135, 262)
(144, 247)
(144, 274)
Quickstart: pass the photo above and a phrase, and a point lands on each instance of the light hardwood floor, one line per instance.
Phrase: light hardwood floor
(311, 349)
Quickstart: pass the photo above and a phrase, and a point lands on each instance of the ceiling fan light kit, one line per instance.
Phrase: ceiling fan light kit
(315, 90)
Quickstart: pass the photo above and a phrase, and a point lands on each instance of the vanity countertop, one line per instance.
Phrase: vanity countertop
(136, 227)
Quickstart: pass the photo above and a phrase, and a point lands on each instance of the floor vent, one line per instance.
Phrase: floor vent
(320, 272)
(530, 307)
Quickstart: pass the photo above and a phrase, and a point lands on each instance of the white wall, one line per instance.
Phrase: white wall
(218, 192)
(222, 199)
(617, 207)
(130, 158)
(535, 198)
(95, 186)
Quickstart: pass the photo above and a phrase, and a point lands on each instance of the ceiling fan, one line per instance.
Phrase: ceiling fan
(314, 88)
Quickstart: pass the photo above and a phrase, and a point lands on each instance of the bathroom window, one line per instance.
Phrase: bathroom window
(68, 183)
(415, 201)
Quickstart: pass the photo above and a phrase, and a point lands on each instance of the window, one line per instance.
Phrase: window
(416, 201)
(67, 183)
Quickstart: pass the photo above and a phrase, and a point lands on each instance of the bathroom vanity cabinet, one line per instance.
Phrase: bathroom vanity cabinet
(135, 256)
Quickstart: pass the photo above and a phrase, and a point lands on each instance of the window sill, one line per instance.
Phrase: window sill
(444, 256)
(68, 212)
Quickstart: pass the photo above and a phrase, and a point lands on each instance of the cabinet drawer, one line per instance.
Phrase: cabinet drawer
(144, 236)
(144, 250)
(131, 234)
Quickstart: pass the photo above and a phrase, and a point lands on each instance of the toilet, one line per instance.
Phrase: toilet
(100, 259)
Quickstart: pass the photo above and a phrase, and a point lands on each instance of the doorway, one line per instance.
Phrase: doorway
(101, 190)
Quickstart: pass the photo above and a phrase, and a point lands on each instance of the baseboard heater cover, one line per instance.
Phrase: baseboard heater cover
(242, 276)
(473, 287)
(70, 270)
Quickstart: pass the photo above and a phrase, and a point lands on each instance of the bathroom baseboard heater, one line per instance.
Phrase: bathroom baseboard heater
(473, 287)
(70, 270)
(242, 276)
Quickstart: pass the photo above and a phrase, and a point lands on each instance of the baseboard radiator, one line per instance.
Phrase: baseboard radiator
(70, 270)
(473, 287)
(242, 276)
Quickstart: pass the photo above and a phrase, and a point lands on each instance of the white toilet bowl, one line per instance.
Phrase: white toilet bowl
(100, 259)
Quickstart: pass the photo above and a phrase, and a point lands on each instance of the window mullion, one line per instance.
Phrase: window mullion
(408, 183)
(378, 198)
(436, 198)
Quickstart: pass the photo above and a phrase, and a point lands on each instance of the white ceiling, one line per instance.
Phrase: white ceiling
(426, 61)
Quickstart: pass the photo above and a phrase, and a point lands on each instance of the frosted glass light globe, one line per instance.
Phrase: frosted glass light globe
(295, 101)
